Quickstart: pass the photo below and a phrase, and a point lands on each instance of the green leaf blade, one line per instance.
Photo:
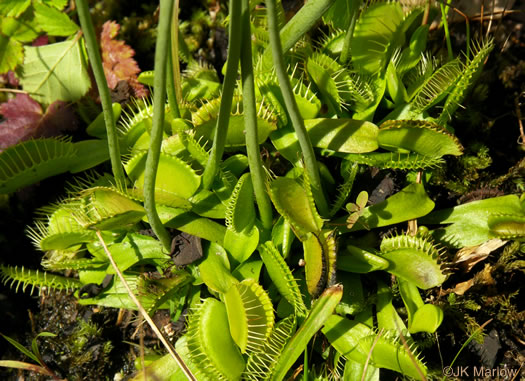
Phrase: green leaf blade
(55, 72)
(54, 22)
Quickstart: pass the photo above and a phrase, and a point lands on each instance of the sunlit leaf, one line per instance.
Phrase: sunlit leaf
(54, 22)
(55, 72)
(10, 53)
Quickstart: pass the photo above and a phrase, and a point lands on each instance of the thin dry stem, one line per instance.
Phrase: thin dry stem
(369, 356)
(412, 358)
(187, 372)
(521, 139)
(412, 224)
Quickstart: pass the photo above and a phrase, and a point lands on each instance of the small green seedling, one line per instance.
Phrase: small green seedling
(356, 209)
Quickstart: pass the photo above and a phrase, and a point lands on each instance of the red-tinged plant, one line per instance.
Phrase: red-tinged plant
(25, 119)
(117, 59)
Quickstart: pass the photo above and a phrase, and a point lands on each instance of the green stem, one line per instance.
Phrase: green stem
(173, 85)
(292, 108)
(301, 23)
(103, 90)
(234, 51)
(170, 88)
(174, 63)
(250, 118)
(159, 104)
(444, 12)
(353, 9)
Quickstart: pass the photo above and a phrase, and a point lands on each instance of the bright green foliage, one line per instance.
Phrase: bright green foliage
(421, 317)
(205, 118)
(13, 8)
(108, 209)
(260, 364)
(356, 210)
(55, 72)
(250, 264)
(396, 160)
(174, 185)
(468, 224)
(32, 161)
(241, 211)
(507, 226)
(320, 261)
(210, 343)
(54, 22)
(151, 293)
(36, 278)
(409, 203)
(62, 229)
(343, 135)
(282, 277)
(376, 36)
(356, 341)
(215, 269)
(295, 203)
(11, 53)
(319, 313)
(424, 138)
(250, 315)
(470, 73)
(414, 259)
(356, 260)
(435, 87)
(21, 22)
(326, 73)
(97, 127)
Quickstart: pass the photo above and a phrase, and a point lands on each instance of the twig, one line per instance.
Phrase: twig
(521, 138)
(412, 224)
(16, 91)
(369, 356)
(405, 345)
(149, 320)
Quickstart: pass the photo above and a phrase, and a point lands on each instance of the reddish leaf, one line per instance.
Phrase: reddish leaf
(9, 78)
(117, 59)
(40, 41)
(59, 117)
(24, 119)
(22, 115)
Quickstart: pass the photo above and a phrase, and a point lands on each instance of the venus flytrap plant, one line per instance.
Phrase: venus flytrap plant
(319, 313)
(248, 259)
(283, 278)
(291, 105)
(421, 317)
(356, 341)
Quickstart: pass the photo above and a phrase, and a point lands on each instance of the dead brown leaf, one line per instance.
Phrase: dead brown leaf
(468, 257)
